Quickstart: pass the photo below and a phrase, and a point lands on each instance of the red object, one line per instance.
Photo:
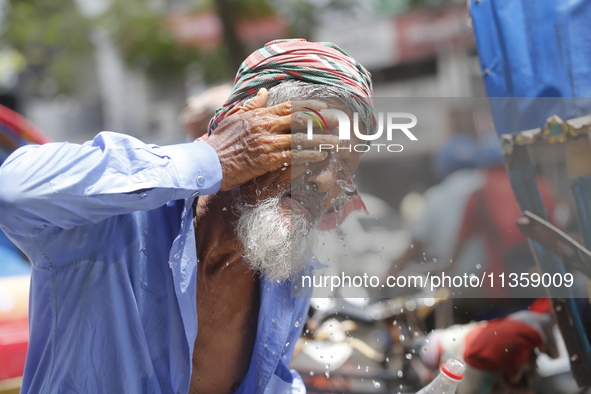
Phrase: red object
(14, 339)
(421, 34)
(541, 305)
(205, 30)
(502, 209)
(501, 345)
(22, 126)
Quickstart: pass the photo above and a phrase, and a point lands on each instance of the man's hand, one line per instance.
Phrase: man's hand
(254, 140)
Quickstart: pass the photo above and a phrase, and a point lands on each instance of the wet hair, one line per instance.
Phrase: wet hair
(300, 90)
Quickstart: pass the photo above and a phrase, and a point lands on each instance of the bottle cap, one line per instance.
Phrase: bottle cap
(453, 368)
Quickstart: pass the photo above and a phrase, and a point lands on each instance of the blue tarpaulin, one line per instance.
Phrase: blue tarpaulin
(534, 48)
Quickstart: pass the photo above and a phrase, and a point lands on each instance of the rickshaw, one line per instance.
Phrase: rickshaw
(536, 65)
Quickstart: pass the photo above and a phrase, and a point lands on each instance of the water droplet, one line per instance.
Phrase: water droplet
(284, 155)
(400, 373)
(408, 356)
(377, 385)
(224, 209)
(367, 369)
(177, 255)
(478, 266)
(282, 168)
(327, 374)
(296, 324)
(311, 373)
(346, 186)
(285, 164)
(308, 171)
(299, 147)
(401, 337)
(358, 366)
(287, 344)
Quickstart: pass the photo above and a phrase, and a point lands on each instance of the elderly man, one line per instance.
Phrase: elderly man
(167, 269)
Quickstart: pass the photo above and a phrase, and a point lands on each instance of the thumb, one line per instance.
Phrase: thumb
(258, 101)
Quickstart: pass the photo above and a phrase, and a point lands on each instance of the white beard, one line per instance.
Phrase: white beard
(270, 247)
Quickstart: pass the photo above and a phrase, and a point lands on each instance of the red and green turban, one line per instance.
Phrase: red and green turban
(297, 59)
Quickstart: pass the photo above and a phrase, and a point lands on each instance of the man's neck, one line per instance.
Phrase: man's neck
(217, 244)
(228, 299)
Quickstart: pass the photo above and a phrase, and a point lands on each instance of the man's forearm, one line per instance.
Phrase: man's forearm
(67, 185)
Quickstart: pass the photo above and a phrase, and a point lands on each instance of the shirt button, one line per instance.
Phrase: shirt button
(195, 194)
(200, 180)
(143, 195)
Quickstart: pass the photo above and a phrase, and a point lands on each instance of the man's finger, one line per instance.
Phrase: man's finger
(308, 105)
(289, 158)
(301, 141)
(289, 107)
(299, 121)
(258, 101)
(302, 157)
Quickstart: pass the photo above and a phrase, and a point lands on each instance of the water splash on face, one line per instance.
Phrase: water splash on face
(346, 186)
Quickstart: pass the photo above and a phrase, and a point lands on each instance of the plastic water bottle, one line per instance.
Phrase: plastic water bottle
(451, 373)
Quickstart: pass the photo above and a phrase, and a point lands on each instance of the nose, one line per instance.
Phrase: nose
(322, 177)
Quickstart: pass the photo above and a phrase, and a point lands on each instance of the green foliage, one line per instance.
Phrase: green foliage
(52, 37)
(144, 41)
(146, 44)
(303, 16)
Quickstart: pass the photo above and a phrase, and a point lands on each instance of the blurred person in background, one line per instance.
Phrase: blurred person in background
(435, 231)
(200, 109)
(491, 213)
(168, 269)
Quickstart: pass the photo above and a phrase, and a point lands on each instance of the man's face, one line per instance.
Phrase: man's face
(282, 209)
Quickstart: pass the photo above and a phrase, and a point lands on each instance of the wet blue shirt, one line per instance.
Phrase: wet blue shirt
(108, 227)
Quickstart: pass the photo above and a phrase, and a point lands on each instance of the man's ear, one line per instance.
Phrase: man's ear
(258, 101)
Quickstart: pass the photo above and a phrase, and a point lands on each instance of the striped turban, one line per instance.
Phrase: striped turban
(315, 62)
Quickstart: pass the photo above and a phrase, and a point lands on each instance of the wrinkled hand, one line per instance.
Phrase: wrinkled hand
(253, 140)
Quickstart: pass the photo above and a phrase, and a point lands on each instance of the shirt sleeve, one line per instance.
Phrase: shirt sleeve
(66, 185)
